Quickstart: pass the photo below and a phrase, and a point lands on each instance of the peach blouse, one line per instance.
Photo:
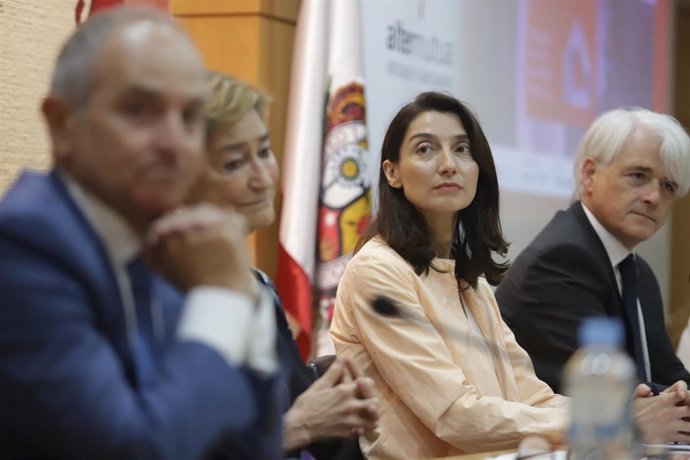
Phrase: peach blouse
(443, 391)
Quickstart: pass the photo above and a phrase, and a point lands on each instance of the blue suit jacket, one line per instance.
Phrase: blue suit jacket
(68, 387)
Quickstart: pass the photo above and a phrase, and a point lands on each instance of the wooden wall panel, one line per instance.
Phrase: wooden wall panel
(680, 230)
(229, 44)
(31, 35)
(279, 9)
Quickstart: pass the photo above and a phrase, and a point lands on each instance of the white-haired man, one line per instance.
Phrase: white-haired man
(631, 166)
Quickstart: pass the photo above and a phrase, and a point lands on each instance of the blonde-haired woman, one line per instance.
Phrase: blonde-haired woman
(242, 173)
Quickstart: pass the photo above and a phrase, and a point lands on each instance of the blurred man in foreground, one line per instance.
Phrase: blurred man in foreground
(100, 355)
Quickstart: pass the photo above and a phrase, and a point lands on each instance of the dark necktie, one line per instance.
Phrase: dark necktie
(141, 282)
(628, 272)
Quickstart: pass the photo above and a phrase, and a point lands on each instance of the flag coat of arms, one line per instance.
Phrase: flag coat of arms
(325, 183)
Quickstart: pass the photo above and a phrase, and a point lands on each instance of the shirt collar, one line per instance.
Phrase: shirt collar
(614, 248)
(120, 240)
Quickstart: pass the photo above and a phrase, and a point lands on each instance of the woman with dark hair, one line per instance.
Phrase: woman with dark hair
(451, 376)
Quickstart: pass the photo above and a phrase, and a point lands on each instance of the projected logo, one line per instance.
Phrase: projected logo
(344, 206)
(560, 67)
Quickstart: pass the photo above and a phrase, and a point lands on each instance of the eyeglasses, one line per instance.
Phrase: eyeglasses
(540, 448)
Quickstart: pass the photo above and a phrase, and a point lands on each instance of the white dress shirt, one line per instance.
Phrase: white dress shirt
(616, 253)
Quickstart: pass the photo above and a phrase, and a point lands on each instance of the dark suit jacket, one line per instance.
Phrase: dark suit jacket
(300, 379)
(68, 387)
(565, 275)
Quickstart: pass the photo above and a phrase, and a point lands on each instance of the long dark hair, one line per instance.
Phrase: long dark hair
(478, 233)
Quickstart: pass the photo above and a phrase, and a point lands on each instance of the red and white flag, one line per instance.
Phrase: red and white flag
(326, 203)
(87, 8)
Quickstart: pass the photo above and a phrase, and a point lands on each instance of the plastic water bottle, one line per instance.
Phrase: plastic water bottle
(600, 379)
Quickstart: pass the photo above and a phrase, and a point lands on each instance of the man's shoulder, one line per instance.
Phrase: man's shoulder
(566, 226)
(568, 240)
(568, 231)
(37, 213)
(33, 196)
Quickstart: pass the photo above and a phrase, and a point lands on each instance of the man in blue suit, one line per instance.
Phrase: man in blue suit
(128, 331)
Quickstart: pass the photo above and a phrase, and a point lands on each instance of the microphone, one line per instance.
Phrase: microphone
(386, 307)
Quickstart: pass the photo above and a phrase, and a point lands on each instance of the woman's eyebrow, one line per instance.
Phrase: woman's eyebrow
(235, 145)
(459, 137)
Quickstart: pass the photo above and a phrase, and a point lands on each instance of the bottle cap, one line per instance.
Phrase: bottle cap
(601, 330)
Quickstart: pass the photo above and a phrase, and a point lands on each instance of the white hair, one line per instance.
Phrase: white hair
(607, 135)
